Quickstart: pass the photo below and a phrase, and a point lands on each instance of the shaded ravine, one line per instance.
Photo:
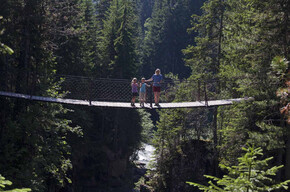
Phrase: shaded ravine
(144, 156)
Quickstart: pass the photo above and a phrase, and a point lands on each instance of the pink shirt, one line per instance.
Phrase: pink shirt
(134, 87)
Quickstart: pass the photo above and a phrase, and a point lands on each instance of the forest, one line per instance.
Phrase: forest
(243, 46)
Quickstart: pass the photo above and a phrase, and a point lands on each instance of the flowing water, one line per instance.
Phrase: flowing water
(145, 155)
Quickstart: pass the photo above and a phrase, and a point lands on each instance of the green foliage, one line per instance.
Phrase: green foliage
(204, 57)
(236, 44)
(269, 141)
(249, 122)
(4, 48)
(147, 126)
(46, 153)
(4, 183)
(166, 34)
(279, 65)
(34, 147)
(118, 40)
(251, 174)
(180, 136)
(76, 52)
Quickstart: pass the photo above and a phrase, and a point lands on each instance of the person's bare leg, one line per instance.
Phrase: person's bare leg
(133, 99)
(155, 97)
(158, 97)
(144, 98)
(141, 98)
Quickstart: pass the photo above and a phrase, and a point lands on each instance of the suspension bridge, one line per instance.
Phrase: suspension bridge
(116, 93)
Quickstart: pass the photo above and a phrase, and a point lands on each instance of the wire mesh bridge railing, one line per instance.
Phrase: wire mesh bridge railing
(104, 89)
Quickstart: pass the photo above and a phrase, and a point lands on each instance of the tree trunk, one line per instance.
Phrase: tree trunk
(220, 36)
(21, 85)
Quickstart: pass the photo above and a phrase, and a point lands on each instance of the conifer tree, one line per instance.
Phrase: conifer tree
(204, 57)
(247, 59)
(248, 40)
(76, 51)
(102, 7)
(33, 138)
(251, 174)
(118, 40)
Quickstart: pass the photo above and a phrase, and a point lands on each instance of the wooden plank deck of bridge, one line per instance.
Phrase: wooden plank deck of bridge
(123, 104)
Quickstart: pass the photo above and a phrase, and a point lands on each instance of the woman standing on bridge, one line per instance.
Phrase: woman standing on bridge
(157, 80)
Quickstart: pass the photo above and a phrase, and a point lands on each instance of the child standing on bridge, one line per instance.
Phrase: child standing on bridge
(143, 86)
(134, 86)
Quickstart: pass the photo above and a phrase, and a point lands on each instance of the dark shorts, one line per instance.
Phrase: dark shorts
(134, 94)
(156, 89)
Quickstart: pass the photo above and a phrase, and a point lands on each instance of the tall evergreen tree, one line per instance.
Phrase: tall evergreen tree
(236, 50)
(250, 32)
(251, 174)
(204, 57)
(118, 40)
(76, 52)
(34, 149)
(102, 7)
(166, 35)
